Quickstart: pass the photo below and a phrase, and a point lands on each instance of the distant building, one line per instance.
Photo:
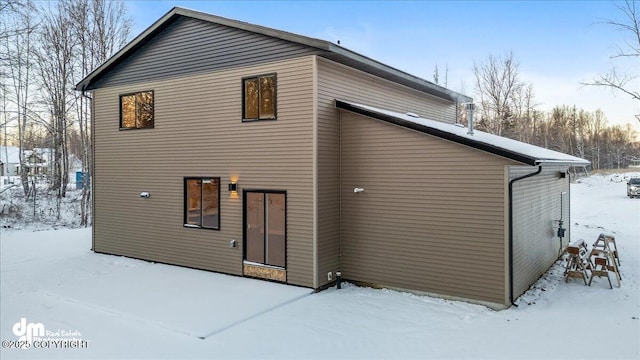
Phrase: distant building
(9, 160)
(39, 161)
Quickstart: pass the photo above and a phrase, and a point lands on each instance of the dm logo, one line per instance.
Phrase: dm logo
(27, 331)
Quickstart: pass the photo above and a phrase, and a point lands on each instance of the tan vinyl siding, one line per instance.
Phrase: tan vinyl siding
(342, 82)
(536, 204)
(431, 217)
(348, 84)
(198, 132)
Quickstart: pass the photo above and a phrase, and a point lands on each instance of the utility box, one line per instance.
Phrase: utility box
(80, 179)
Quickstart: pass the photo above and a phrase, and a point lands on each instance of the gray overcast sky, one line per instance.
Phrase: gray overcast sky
(558, 44)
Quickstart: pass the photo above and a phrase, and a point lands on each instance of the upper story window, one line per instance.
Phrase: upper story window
(136, 110)
(259, 98)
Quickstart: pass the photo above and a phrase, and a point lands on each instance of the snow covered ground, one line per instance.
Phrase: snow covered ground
(115, 307)
(18, 213)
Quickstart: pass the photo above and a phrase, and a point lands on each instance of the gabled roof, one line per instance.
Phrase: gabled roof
(494, 144)
(327, 49)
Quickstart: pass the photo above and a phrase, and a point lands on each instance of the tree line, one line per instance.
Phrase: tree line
(45, 49)
(48, 47)
(506, 106)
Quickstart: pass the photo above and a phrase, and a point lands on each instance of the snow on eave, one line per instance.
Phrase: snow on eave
(498, 145)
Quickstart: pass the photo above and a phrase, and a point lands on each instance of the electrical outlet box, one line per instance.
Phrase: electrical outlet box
(329, 276)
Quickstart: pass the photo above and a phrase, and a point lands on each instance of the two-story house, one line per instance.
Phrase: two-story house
(235, 148)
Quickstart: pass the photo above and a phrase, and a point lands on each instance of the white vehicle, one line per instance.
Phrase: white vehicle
(633, 187)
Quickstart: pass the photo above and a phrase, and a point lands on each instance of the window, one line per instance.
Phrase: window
(136, 110)
(201, 203)
(259, 98)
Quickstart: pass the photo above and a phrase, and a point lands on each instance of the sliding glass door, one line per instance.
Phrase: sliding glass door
(265, 233)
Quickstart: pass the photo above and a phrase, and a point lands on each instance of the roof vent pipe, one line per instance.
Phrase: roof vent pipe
(470, 107)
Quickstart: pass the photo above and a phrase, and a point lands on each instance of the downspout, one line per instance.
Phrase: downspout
(339, 272)
(511, 229)
(91, 172)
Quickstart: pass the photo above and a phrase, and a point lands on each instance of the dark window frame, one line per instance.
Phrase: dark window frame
(185, 207)
(153, 111)
(275, 98)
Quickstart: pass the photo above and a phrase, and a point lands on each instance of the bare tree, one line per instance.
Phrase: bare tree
(110, 29)
(617, 143)
(630, 26)
(101, 27)
(580, 123)
(436, 75)
(496, 81)
(595, 128)
(55, 64)
(8, 8)
(7, 5)
(17, 63)
(82, 24)
(523, 105)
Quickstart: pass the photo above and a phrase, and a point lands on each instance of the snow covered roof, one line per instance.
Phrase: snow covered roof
(494, 144)
(12, 152)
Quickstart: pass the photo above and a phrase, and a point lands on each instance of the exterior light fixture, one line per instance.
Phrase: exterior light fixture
(233, 186)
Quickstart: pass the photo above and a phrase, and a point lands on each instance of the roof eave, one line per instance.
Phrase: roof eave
(84, 83)
(279, 34)
(518, 157)
(323, 45)
(177, 11)
(577, 162)
(429, 87)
